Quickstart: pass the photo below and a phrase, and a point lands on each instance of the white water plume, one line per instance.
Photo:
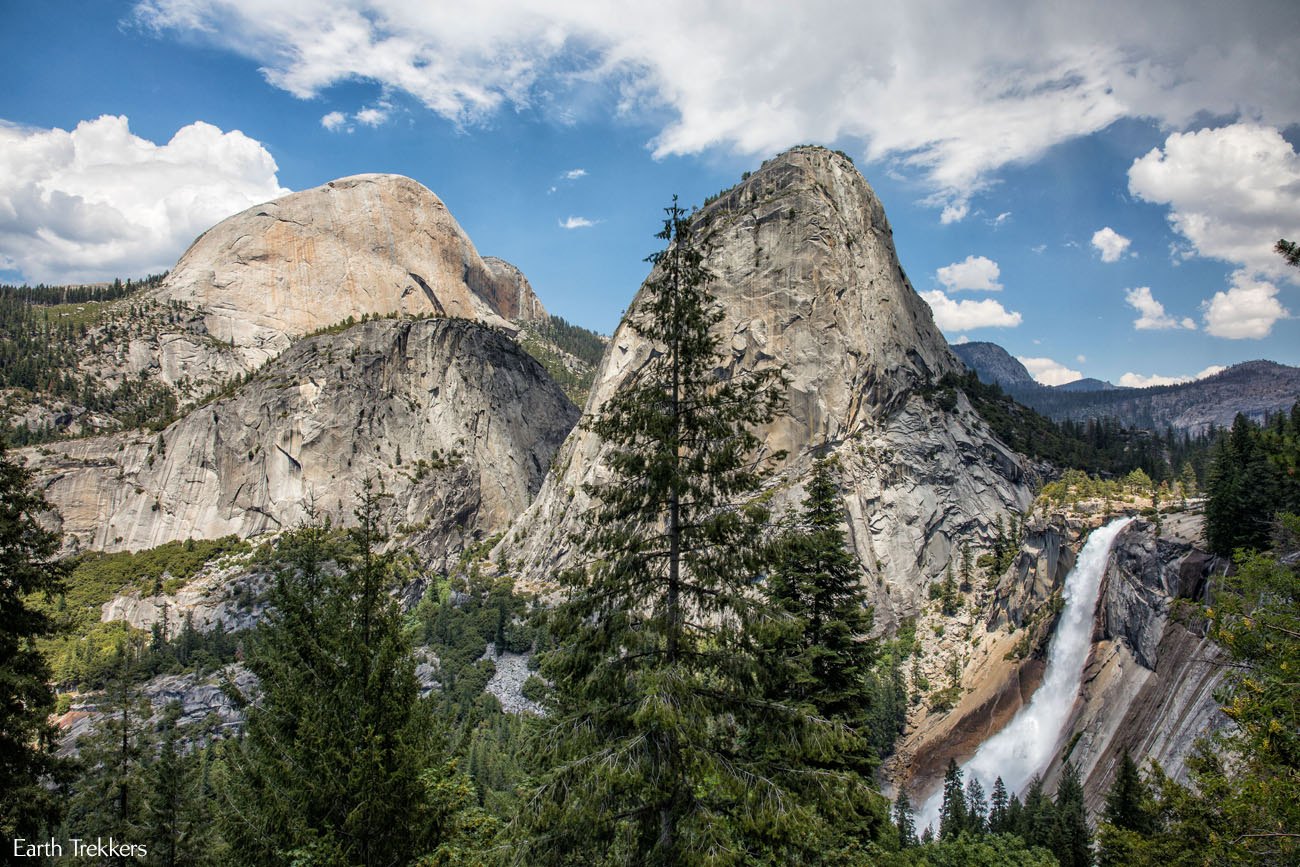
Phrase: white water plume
(1025, 746)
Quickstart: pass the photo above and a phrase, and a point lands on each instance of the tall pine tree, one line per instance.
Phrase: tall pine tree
(658, 733)
(28, 566)
(342, 761)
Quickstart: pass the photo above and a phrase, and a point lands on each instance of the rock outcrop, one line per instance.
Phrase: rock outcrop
(455, 421)
(808, 280)
(1150, 681)
(363, 246)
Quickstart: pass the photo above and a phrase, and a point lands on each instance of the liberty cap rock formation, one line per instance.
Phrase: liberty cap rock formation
(808, 280)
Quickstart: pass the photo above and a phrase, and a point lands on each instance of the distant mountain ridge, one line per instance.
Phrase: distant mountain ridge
(1254, 388)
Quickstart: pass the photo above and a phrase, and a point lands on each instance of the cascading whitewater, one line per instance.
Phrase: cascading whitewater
(1025, 746)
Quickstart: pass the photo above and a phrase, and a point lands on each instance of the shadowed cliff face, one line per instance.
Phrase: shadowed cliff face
(455, 420)
(808, 280)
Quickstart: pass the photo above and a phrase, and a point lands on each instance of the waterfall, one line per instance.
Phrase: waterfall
(1025, 746)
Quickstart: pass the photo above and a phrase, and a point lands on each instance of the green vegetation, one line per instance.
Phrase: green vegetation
(44, 333)
(659, 746)
(1256, 474)
(1097, 447)
(28, 766)
(556, 344)
(83, 650)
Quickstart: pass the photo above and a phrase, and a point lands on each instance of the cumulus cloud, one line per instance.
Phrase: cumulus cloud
(1247, 309)
(574, 174)
(974, 272)
(952, 315)
(333, 121)
(1231, 191)
(1138, 380)
(1047, 371)
(922, 85)
(1110, 244)
(100, 202)
(1152, 313)
(577, 223)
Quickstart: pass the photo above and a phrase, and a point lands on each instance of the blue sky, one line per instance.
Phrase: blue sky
(1096, 187)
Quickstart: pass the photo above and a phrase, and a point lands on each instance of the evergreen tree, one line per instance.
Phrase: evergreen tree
(1074, 839)
(108, 796)
(659, 745)
(904, 821)
(341, 761)
(1288, 250)
(998, 819)
(977, 807)
(819, 654)
(1037, 820)
(952, 813)
(28, 767)
(1126, 803)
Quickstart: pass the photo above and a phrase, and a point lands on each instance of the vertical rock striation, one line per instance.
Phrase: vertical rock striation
(808, 280)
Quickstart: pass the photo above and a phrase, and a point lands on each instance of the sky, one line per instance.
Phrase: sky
(1097, 186)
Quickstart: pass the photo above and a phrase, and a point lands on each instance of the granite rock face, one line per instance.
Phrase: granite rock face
(808, 280)
(362, 246)
(455, 421)
(1150, 681)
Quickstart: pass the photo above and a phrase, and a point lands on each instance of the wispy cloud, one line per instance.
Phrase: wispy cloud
(577, 223)
(917, 86)
(574, 174)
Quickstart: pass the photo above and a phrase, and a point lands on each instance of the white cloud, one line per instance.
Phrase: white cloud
(1047, 371)
(334, 121)
(577, 223)
(952, 315)
(1081, 358)
(1153, 316)
(1001, 218)
(1247, 310)
(974, 272)
(375, 115)
(100, 202)
(1137, 380)
(923, 85)
(961, 338)
(1110, 244)
(954, 212)
(574, 174)
(1231, 192)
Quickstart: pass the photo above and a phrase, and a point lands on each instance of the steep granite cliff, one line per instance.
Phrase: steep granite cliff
(808, 280)
(455, 420)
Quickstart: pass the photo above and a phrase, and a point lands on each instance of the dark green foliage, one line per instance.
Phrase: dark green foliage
(83, 652)
(953, 818)
(342, 762)
(42, 335)
(999, 820)
(1037, 823)
(1098, 446)
(1288, 250)
(1074, 839)
(977, 808)
(1126, 803)
(27, 567)
(1255, 474)
(109, 795)
(582, 343)
(904, 821)
(659, 746)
